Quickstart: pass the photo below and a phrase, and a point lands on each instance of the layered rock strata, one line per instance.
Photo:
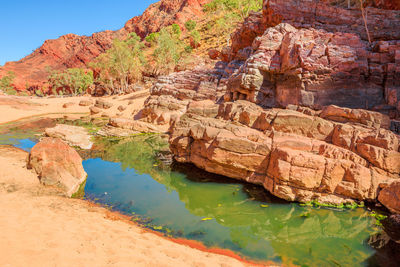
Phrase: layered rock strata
(315, 68)
(295, 155)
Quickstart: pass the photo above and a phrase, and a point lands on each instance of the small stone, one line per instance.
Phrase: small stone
(67, 105)
(103, 104)
(121, 108)
(94, 110)
(85, 103)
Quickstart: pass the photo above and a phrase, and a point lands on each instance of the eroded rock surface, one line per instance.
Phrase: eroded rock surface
(295, 156)
(316, 68)
(57, 164)
(73, 135)
(389, 196)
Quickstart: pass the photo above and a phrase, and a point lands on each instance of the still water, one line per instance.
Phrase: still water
(137, 177)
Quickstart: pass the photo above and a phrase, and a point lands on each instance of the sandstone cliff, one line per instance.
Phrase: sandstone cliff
(264, 114)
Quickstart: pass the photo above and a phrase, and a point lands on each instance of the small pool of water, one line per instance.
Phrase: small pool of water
(135, 176)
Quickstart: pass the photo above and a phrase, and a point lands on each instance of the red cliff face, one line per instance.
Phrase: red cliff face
(72, 50)
(164, 13)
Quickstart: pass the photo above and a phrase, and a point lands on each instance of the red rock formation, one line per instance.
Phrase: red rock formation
(295, 156)
(310, 150)
(57, 164)
(164, 13)
(72, 50)
(306, 66)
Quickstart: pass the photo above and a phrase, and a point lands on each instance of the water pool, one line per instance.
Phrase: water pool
(135, 176)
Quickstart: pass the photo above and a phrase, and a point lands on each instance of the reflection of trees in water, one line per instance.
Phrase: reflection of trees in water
(292, 231)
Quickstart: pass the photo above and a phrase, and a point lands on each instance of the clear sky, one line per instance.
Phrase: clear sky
(26, 24)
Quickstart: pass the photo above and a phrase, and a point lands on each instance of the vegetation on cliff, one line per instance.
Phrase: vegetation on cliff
(73, 81)
(6, 83)
(121, 65)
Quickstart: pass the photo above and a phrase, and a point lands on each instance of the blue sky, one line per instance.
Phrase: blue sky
(26, 24)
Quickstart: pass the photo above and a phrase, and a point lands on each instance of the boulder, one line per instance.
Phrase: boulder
(73, 135)
(67, 105)
(135, 125)
(57, 164)
(389, 196)
(361, 116)
(94, 110)
(121, 108)
(103, 104)
(85, 103)
(213, 54)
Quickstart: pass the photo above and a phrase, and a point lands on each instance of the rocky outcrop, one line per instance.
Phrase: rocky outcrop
(315, 68)
(321, 56)
(73, 135)
(332, 16)
(71, 51)
(164, 13)
(287, 109)
(68, 51)
(171, 94)
(295, 156)
(57, 164)
(389, 196)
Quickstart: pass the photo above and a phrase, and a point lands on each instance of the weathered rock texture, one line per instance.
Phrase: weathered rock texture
(73, 135)
(57, 164)
(171, 94)
(320, 57)
(389, 196)
(315, 68)
(286, 109)
(70, 51)
(294, 155)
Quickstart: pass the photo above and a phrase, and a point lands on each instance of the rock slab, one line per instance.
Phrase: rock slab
(73, 135)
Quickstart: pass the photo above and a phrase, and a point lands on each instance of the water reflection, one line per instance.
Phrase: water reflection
(133, 177)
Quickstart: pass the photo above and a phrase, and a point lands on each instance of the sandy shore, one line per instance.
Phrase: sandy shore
(41, 228)
(14, 108)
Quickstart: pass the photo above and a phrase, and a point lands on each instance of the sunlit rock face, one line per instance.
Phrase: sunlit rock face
(321, 56)
(296, 154)
(290, 105)
(315, 68)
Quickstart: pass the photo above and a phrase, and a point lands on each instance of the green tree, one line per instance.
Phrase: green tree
(74, 81)
(190, 25)
(176, 30)
(167, 52)
(121, 65)
(6, 83)
(240, 7)
(152, 37)
(196, 38)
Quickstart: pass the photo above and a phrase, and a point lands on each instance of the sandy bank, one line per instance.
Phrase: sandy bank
(41, 228)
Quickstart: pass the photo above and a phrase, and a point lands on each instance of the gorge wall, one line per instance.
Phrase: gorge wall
(287, 105)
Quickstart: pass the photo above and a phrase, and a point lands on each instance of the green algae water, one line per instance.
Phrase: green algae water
(135, 176)
(131, 176)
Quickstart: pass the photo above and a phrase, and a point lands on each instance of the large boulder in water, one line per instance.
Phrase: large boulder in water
(57, 164)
